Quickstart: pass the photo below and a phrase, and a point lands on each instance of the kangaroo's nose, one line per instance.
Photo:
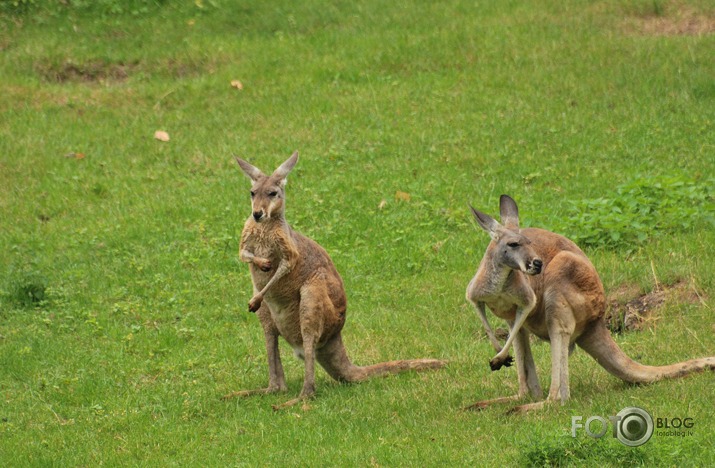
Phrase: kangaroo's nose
(537, 264)
(257, 215)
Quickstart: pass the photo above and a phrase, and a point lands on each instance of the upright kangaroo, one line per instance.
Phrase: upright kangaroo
(541, 282)
(298, 293)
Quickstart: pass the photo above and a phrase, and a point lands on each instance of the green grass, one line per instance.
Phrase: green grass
(123, 304)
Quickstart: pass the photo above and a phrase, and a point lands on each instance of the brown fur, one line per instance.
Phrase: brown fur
(563, 303)
(298, 293)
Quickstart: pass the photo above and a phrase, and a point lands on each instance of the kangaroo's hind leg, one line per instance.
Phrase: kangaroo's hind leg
(315, 307)
(561, 323)
(526, 369)
(276, 377)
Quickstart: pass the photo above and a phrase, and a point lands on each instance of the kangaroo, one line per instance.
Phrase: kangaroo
(298, 294)
(541, 282)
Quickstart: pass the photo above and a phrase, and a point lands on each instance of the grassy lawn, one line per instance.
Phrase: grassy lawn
(123, 312)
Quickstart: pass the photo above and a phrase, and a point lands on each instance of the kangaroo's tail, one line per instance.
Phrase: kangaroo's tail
(334, 359)
(597, 342)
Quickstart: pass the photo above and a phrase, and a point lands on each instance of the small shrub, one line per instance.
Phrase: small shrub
(101, 7)
(27, 288)
(641, 210)
(570, 451)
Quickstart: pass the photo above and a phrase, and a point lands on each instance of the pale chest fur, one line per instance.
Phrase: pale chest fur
(280, 298)
(502, 291)
(502, 305)
(267, 242)
(261, 242)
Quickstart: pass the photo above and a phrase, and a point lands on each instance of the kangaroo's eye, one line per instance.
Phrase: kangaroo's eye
(253, 194)
(513, 245)
(272, 194)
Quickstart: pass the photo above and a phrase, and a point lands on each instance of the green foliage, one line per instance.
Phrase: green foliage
(570, 451)
(17, 6)
(26, 287)
(101, 7)
(640, 210)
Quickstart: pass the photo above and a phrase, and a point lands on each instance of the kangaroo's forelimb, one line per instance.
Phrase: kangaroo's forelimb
(502, 358)
(482, 314)
(257, 299)
(262, 263)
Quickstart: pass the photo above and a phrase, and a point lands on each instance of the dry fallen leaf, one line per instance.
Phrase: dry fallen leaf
(402, 196)
(237, 84)
(75, 155)
(382, 204)
(161, 135)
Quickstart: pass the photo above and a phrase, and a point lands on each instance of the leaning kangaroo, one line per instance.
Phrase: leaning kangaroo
(541, 282)
(298, 293)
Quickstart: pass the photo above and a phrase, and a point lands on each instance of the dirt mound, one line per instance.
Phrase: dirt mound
(672, 19)
(627, 310)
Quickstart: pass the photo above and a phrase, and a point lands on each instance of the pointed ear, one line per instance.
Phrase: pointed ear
(509, 212)
(486, 222)
(251, 171)
(286, 167)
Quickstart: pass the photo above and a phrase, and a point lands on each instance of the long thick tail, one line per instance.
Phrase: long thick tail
(597, 342)
(336, 363)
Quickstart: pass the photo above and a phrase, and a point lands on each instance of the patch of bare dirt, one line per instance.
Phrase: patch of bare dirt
(673, 19)
(88, 71)
(627, 310)
(103, 70)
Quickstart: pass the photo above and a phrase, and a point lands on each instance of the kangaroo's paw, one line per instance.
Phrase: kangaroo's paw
(255, 303)
(262, 263)
(497, 362)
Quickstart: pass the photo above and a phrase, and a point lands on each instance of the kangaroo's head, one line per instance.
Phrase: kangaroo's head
(268, 192)
(509, 247)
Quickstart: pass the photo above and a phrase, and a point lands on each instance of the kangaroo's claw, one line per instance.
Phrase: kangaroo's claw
(497, 363)
(255, 303)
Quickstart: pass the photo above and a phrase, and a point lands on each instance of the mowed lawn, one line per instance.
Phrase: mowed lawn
(123, 306)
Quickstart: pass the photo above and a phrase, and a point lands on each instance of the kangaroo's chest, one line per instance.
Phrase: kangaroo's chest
(263, 244)
(501, 305)
(286, 318)
(504, 307)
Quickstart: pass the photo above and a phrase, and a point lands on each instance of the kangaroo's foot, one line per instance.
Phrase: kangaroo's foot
(523, 409)
(257, 391)
(480, 405)
(497, 362)
(304, 396)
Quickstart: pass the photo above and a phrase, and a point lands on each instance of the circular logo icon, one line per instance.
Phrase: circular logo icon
(635, 426)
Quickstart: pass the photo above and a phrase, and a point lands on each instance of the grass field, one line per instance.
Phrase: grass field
(123, 313)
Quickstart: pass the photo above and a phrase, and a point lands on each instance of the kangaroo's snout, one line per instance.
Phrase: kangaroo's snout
(257, 215)
(535, 267)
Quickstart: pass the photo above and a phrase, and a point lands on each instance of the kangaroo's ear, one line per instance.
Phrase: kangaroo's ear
(486, 222)
(285, 168)
(509, 212)
(251, 171)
